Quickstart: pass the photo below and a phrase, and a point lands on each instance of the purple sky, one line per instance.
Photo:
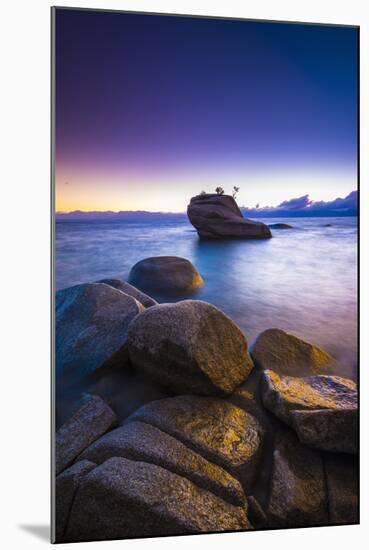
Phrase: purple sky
(152, 109)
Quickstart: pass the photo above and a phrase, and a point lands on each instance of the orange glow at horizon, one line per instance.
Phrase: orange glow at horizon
(76, 189)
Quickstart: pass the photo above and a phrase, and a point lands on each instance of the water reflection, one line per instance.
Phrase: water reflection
(303, 280)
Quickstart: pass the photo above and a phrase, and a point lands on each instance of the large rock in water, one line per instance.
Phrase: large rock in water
(125, 287)
(66, 486)
(218, 217)
(219, 431)
(90, 422)
(123, 498)
(297, 494)
(321, 409)
(91, 327)
(189, 347)
(166, 275)
(286, 354)
(143, 442)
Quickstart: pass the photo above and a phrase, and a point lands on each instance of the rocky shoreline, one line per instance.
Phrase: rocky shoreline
(185, 428)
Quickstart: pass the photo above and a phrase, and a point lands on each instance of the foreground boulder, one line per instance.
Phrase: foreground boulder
(219, 431)
(143, 442)
(334, 430)
(218, 217)
(321, 409)
(125, 287)
(123, 498)
(286, 354)
(246, 399)
(189, 347)
(283, 394)
(66, 486)
(91, 421)
(297, 494)
(343, 488)
(91, 327)
(166, 275)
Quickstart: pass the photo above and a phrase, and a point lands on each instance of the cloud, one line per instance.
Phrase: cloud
(296, 204)
(304, 206)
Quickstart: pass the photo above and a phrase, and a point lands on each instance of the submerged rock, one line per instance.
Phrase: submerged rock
(166, 275)
(66, 486)
(123, 498)
(286, 354)
(143, 442)
(297, 494)
(90, 422)
(321, 409)
(219, 431)
(219, 217)
(280, 226)
(91, 327)
(189, 347)
(125, 287)
(343, 488)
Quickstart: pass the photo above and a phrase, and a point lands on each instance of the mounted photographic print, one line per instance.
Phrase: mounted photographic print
(205, 258)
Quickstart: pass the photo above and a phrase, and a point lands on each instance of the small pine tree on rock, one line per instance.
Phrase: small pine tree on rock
(235, 191)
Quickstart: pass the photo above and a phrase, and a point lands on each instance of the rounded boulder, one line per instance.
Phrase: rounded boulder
(189, 347)
(165, 275)
(91, 327)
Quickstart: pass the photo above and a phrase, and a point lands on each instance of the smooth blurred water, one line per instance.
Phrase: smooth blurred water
(303, 280)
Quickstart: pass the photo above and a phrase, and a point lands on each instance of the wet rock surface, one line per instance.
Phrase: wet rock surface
(91, 421)
(238, 448)
(198, 349)
(217, 430)
(334, 430)
(166, 275)
(143, 442)
(297, 494)
(322, 409)
(66, 486)
(91, 327)
(219, 217)
(284, 394)
(124, 498)
(286, 354)
(125, 287)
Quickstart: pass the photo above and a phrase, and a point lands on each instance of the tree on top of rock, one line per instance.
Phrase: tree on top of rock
(235, 191)
(219, 190)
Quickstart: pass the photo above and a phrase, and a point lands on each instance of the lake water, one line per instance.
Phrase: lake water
(303, 280)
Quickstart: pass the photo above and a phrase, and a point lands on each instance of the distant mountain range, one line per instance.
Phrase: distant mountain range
(297, 207)
(126, 215)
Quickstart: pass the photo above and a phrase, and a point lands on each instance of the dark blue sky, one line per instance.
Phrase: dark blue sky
(167, 105)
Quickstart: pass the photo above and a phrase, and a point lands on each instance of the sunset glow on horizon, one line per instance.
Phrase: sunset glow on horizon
(163, 194)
